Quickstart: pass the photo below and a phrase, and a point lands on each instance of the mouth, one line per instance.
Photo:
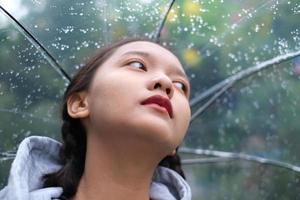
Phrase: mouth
(161, 102)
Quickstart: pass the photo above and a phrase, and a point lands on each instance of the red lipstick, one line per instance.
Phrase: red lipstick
(161, 101)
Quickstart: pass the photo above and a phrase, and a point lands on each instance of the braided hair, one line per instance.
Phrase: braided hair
(73, 150)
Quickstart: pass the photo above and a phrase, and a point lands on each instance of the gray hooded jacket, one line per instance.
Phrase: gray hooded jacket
(37, 156)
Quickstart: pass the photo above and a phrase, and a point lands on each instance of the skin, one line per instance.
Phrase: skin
(127, 140)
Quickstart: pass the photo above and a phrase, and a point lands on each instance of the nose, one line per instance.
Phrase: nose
(164, 84)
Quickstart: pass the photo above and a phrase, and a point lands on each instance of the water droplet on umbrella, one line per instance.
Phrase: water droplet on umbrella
(257, 28)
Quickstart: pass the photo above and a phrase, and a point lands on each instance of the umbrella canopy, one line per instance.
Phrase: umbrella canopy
(241, 57)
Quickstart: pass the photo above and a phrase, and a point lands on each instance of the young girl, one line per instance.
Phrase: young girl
(124, 114)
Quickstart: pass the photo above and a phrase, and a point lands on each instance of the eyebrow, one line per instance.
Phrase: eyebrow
(145, 54)
(141, 53)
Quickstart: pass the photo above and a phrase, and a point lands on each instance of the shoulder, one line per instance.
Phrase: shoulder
(35, 157)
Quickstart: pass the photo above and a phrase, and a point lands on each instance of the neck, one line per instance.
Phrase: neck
(117, 169)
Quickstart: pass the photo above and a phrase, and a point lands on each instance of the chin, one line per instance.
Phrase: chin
(158, 131)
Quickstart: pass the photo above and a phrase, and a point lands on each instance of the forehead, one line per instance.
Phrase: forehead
(151, 50)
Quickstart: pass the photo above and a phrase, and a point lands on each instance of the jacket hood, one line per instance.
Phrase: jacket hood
(37, 156)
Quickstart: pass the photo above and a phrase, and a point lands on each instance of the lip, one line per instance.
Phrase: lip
(160, 101)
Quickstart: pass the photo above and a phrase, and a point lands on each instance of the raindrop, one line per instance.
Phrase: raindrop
(85, 44)
(284, 84)
(256, 29)
(296, 9)
(256, 105)
(68, 29)
(207, 53)
(27, 133)
(83, 31)
(233, 26)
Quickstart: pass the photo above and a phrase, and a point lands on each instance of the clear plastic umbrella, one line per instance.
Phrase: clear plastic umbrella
(241, 57)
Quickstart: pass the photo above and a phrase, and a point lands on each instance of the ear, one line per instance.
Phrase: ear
(78, 105)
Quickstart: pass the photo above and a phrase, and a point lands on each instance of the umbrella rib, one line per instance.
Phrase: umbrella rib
(162, 23)
(243, 74)
(210, 102)
(9, 155)
(230, 81)
(223, 156)
(205, 160)
(52, 61)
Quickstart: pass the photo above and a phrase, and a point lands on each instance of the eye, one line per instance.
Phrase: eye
(137, 64)
(181, 86)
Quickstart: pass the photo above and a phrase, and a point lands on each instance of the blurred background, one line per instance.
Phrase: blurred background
(215, 40)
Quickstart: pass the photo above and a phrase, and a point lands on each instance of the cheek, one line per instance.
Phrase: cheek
(108, 97)
(112, 98)
(183, 117)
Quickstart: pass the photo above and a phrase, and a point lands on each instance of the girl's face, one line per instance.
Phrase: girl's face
(141, 91)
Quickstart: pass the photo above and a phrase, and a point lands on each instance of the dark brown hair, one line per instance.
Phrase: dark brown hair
(73, 150)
